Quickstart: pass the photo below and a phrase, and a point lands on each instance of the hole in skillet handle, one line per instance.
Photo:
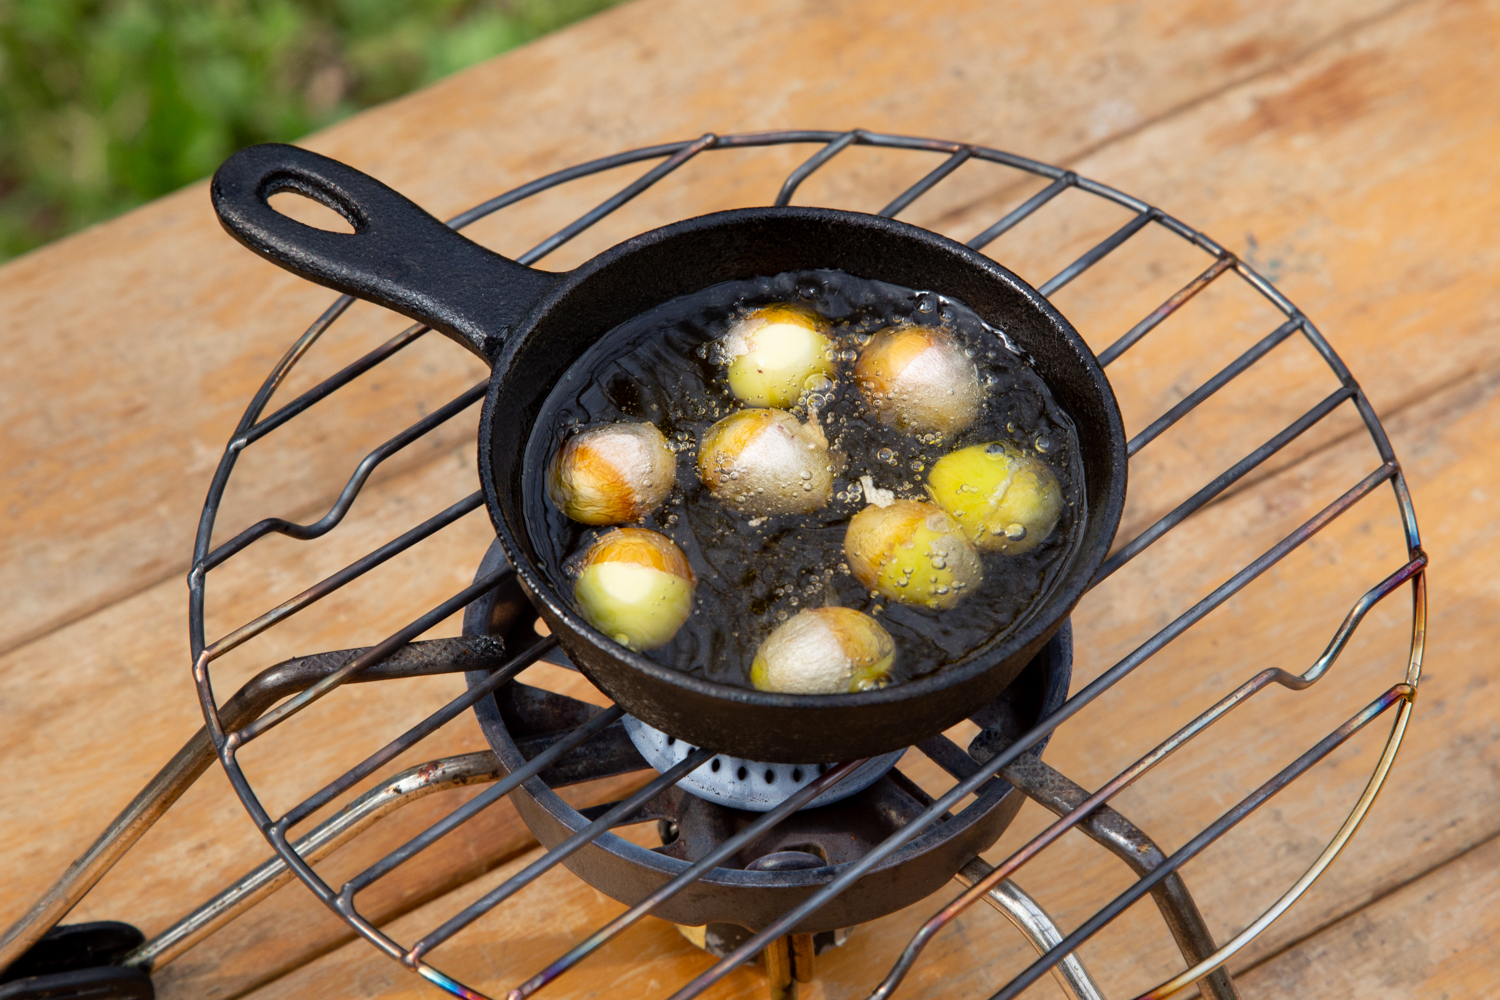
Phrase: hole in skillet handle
(398, 256)
(310, 212)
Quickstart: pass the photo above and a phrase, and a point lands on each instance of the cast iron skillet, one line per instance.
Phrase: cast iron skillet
(531, 325)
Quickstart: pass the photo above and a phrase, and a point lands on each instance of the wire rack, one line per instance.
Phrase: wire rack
(279, 694)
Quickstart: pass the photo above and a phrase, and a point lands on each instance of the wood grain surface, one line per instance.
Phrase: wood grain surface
(1344, 149)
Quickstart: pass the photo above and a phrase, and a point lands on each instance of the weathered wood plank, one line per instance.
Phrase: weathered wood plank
(1281, 621)
(1435, 937)
(1378, 278)
(127, 703)
(131, 349)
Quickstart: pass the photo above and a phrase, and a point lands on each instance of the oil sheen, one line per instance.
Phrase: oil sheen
(753, 574)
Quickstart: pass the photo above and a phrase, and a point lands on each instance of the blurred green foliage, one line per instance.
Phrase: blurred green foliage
(105, 104)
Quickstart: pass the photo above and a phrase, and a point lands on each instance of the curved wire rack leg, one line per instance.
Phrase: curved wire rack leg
(1031, 920)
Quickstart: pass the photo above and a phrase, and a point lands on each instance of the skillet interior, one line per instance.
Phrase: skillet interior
(690, 256)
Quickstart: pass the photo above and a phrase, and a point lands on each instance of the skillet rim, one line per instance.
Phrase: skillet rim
(554, 608)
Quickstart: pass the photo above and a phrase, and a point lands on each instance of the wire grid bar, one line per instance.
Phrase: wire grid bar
(253, 427)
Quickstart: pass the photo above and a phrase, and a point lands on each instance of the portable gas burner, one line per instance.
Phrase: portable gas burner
(755, 856)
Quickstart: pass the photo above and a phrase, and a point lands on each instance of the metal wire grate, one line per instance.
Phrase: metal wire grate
(277, 696)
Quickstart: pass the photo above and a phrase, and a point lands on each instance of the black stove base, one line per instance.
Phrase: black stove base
(786, 864)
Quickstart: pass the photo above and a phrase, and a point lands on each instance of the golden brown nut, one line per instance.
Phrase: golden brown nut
(912, 552)
(824, 651)
(919, 379)
(612, 473)
(776, 353)
(636, 587)
(765, 461)
(1004, 499)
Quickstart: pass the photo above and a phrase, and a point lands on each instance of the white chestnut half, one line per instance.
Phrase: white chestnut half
(824, 651)
(913, 552)
(1004, 499)
(612, 473)
(776, 353)
(636, 587)
(919, 379)
(765, 461)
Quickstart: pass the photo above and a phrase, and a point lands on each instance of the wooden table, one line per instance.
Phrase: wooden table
(1347, 150)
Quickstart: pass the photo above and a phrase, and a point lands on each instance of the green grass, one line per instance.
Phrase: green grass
(105, 104)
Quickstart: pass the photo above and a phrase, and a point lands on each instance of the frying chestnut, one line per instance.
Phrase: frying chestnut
(636, 587)
(824, 651)
(1004, 499)
(612, 473)
(776, 353)
(919, 379)
(764, 461)
(912, 552)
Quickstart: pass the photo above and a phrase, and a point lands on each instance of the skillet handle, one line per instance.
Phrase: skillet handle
(398, 256)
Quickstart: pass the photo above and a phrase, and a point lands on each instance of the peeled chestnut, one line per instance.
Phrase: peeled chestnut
(765, 461)
(776, 353)
(1004, 499)
(919, 379)
(912, 552)
(612, 473)
(636, 587)
(824, 651)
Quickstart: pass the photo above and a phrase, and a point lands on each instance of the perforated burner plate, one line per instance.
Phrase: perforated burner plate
(748, 784)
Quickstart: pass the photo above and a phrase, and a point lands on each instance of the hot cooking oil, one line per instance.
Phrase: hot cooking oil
(667, 366)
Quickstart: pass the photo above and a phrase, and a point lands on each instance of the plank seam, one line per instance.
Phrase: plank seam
(1072, 160)
(180, 570)
(1391, 415)
(1353, 27)
(1392, 890)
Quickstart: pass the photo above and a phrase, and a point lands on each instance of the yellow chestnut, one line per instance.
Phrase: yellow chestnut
(824, 651)
(912, 552)
(612, 473)
(1004, 499)
(765, 461)
(636, 587)
(776, 353)
(919, 379)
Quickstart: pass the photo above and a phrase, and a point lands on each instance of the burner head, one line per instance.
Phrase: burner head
(783, 865)
(747, 784)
